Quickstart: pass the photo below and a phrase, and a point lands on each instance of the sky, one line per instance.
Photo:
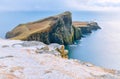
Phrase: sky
(54, 5)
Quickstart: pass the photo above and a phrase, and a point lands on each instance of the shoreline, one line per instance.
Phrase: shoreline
(49, 56)
(54, 29)
(35, 60)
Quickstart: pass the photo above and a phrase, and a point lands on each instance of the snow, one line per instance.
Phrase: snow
(21, 62)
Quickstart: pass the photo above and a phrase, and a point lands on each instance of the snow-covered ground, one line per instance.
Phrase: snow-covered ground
(22, 60)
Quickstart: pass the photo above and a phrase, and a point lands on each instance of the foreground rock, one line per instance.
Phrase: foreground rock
(86, 27)
(38, 47)
(35, 60)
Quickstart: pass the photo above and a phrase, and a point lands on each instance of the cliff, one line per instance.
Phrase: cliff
(55, 29)
(36, 60)
(86, 27)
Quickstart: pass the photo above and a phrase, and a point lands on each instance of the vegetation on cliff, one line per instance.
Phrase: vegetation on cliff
(55, 29)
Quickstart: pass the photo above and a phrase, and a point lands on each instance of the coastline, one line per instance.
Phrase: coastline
(55, 29)
(35, 60)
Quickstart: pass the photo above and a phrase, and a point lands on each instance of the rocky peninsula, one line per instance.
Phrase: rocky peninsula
(36, 50)
(55, 29)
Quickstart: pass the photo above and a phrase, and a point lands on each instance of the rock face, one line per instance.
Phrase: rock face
(86, 27)
(77, 33)
(55, 29)
(36, 60)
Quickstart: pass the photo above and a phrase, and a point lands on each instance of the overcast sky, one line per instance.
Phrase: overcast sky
(54, 5)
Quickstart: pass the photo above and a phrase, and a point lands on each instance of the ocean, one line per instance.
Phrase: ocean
(100, 48)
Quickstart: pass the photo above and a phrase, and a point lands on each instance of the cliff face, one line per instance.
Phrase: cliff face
(35, 60)
(55, 29)
(86, 27)
(77, 33)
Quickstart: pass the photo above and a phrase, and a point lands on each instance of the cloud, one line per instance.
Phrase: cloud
(94, 5)
(54, 5)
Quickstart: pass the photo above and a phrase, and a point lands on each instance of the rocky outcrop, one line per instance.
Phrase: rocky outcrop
(86, 27)
(77, 33)
(36, 60)
(55, 29)
(38, 47)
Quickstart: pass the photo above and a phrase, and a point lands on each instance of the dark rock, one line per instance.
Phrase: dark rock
(86, 27)
(94, 25)
(54, 29)
(77, 33)
(86, 30)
